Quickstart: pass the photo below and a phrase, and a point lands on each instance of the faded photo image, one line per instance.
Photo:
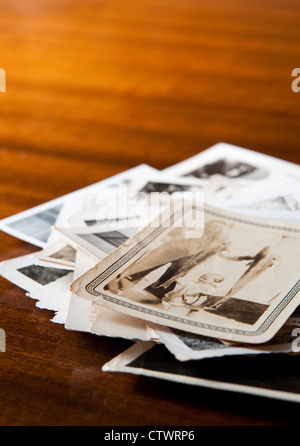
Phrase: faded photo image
(43, 275)
(106, 241)
(97, 240)
(169, 188)
(281, 203)
(67, 253)
(229, 169)
(38, 225)
(231, 271)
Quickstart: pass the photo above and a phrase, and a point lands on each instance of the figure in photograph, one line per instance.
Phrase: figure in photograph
(258, 264)
(180, 256)
(229, 169)
(169, 188)
(194, 296)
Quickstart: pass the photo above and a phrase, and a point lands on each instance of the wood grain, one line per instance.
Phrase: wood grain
(94, 88)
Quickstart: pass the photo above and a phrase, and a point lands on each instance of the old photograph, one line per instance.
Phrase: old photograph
(67, 253)
(43, 274)
(34, 225)
(228, 168)
(275, 203)
(186, 346)
(271, 376)
(106, 241)
(37, 226)
(46, 283)
(235, 163)
(237, 280)
(161, 183)
(97, 240)
(59, 253)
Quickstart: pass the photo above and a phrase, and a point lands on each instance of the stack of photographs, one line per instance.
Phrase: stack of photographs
(196, 265)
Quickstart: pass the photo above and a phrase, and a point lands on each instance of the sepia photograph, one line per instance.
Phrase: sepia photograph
(210, 282)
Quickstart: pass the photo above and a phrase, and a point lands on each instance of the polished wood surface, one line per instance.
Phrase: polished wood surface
(95, 87)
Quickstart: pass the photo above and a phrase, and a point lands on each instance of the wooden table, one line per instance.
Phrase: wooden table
(94, 88)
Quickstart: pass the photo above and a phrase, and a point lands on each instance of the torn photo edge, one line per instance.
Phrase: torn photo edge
(83, 315)
(22, 270)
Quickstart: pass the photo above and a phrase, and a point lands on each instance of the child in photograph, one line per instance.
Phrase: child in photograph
(193, 296)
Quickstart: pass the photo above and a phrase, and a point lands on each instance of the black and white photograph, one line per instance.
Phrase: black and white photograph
(35, 225)
(271, 376)
(186, 346)
(230, 169)
(97, 240)
(274, 203)
(159, 183)
(67, 253)
(46, 283)
(280, 203)
(236, 163)
(59, 253)
(169, 188)
(271, 201)
(43, 274)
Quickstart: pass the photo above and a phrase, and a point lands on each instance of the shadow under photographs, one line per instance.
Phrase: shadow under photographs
(277, 371)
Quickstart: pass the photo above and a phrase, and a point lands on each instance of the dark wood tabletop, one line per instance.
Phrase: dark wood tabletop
(96, 87)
